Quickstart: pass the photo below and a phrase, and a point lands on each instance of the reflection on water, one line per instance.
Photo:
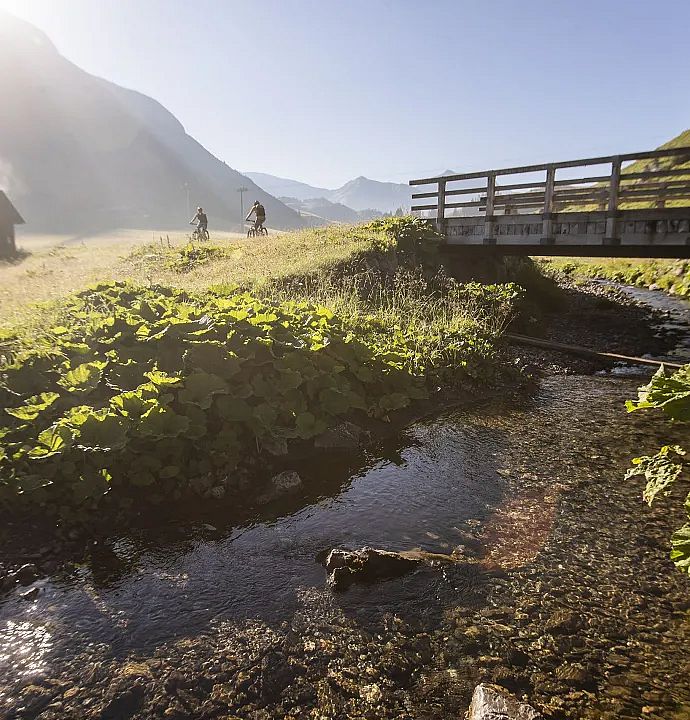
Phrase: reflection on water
(24, 646)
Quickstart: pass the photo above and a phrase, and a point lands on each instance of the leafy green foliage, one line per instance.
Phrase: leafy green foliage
(146, 387)
(671, 394)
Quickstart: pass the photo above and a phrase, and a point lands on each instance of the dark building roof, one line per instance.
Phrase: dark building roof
(8, 212)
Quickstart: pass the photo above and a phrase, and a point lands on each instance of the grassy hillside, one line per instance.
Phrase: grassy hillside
(670, 163)
(194, 364)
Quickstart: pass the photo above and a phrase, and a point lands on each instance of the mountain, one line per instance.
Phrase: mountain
(359, 194)
(319, 211)
(79, 153)
(283, 187)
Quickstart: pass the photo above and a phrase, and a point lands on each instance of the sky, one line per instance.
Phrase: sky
(326, 90)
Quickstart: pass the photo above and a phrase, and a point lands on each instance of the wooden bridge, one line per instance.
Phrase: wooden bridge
(639, 207)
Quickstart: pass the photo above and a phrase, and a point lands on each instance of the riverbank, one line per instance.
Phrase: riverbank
(671, 276)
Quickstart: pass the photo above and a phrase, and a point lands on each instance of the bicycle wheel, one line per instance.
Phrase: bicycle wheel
(205, 235)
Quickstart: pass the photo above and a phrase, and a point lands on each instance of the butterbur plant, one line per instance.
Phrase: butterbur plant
(671, 394)
(141, 390)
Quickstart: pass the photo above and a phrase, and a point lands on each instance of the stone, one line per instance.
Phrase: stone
(31, 594)
(217, 492)
(575, 674)
(26, 574)
(282, 484)
(563, 622)
(492, 702)
(345, 436)
(366, 565)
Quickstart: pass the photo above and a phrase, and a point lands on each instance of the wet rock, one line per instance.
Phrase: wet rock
(34, 699)
(345, 436)
(31, 594)
(491, 702)
(26, 574)
(517, 658)
(365, 566)
(563, 622)
(575, 674)
(123, 703)
(285, 483)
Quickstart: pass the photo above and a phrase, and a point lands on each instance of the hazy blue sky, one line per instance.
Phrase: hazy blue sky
(323, 91)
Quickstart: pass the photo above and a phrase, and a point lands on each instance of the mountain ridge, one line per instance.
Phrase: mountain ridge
(78, 152)
(359, 194)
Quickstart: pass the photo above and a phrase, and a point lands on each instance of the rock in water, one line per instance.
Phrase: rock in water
(492, 702)
(286, 482)
(366, 565)
(345, 436)
(26, 574)
(281, 484)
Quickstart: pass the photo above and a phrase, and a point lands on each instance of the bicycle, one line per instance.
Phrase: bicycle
(200, 233)
(253, 231)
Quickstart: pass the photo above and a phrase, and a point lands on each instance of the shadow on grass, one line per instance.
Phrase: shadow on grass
(15, 258)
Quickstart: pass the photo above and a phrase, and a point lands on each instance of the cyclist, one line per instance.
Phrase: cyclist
(259, 213)
(201, 218)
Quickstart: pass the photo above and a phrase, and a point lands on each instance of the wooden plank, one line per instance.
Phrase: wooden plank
(579, 350)
(655, 173)
(424, 207)
(614, 187)
(590, 179)
(548, 204)
(489, 209)
(419, 196)
(441, 209)
(467, 191)
(469, 203)
(680, 152)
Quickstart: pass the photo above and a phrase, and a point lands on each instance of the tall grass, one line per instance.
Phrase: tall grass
(433, 313)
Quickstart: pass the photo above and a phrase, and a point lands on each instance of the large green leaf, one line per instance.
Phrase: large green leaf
(200, 387)
(134, 403)
(34, 406)
(102, 430)
(161, 422)
(660, 470)
(680, 548)
(84, 378)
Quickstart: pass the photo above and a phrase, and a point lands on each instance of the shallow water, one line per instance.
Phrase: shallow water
(533, 486)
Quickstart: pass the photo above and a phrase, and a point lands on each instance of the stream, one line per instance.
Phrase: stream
(576, 605)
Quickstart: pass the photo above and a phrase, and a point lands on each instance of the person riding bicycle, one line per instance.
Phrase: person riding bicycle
(259, 213)
(201, 218)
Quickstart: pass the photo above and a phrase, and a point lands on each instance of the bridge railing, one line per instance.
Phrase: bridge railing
(657, 184)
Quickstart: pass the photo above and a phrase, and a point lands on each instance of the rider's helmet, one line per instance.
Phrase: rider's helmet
(200, 209)
(256, 202)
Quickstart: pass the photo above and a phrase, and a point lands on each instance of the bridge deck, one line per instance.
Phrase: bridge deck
(626, 212)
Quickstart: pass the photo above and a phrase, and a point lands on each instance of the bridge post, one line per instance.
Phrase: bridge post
(441, 207)
(489, 238)
(612, 237)
(547, 217)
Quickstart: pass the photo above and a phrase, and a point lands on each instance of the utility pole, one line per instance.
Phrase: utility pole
(242, 190)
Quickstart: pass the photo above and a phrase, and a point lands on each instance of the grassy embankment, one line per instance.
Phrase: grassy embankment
(192, 361)
(673, 276)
